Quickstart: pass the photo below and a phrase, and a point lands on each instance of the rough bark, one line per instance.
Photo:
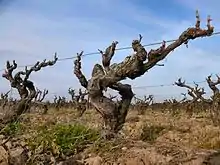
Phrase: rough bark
(215, 109)
(196, 93)
(134, 66)
(79, 101)
(141, 105)
(40, 95)
(24, 86)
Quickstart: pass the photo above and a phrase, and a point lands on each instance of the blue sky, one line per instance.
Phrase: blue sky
(33, 30)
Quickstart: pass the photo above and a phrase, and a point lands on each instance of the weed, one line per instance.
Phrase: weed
(151, 132)
(12, 129)
(63, 139)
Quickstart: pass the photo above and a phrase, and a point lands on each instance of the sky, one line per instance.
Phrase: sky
(33, 30)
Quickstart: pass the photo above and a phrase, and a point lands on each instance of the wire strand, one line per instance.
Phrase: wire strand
(165, 85)
(124, 48)
(118, 49)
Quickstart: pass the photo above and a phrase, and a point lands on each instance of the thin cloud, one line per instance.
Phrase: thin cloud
(34, 30)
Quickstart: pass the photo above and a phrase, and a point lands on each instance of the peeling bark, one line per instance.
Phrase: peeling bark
(215, 109)
(24, 86)
(114, 113)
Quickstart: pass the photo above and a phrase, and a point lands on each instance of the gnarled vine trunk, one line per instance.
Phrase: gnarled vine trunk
(24, 86)
(109, 76)
(215, 109)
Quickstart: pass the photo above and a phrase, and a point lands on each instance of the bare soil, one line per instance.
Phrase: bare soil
(155, 138)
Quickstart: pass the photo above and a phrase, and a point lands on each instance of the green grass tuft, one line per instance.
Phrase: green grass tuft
(12, 129)
(63, 138)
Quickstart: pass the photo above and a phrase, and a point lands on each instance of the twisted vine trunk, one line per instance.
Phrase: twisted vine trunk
(109, 76)
(25, 87)
(215, 108)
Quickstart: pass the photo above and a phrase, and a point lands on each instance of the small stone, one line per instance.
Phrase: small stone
(97, 161)
(124, 148)
(70, 161)
(18, 156)
(23, 144)
(3, 156)
(94, 161)
(8, 145)
(2, 137)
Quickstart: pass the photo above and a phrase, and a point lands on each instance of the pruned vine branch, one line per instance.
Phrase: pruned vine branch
(24, 86)
(109, 76)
